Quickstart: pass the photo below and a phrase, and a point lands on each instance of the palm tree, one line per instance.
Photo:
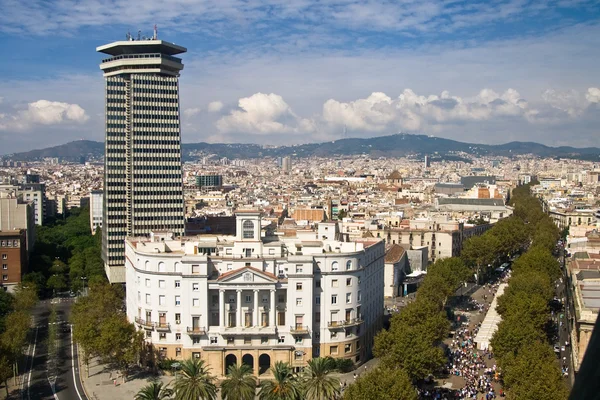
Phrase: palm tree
(284, 386)
(155, 390)
(317, 381)
(240, 384)
(194, 381)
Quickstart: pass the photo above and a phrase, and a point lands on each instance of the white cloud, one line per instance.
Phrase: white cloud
(66, 16)
(593, 95)
(413, 112)
(262, 114)
(190, 112)
(215, 106)
(44, 112)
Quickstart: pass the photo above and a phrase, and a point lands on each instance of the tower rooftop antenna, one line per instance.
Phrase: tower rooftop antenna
(155, 36)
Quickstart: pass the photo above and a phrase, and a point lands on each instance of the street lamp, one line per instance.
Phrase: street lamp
(175, 366)
(84, 278)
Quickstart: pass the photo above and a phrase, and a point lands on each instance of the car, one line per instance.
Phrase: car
(562, 348)
(556, 349)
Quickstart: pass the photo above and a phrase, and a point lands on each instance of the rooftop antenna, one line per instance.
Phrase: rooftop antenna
(139, 35)
(128, 36)
(155, 37)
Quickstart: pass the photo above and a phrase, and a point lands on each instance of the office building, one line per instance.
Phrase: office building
(256, 297)
(13, 257)
(32, 193)
(143, 188)
(209, 181)
(286, 164)
(16, 215)
(96, 200)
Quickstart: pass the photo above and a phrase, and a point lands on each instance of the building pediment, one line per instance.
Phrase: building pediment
(247, 275)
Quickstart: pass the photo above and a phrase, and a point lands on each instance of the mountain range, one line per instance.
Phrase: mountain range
(397, 145)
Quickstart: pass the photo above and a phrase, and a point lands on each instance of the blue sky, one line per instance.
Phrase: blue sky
(296, 71)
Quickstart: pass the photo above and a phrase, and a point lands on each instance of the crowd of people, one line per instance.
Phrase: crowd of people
(465, 361)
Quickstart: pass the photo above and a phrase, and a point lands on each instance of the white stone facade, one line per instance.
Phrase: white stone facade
(256, 299)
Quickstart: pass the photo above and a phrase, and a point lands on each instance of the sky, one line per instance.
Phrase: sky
(284, 72)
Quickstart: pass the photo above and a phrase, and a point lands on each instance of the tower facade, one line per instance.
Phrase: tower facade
(143, 187)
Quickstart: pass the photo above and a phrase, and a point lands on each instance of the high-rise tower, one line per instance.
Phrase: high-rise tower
(143, 188)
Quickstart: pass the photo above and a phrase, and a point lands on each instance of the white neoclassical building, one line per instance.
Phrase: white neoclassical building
(256, 297)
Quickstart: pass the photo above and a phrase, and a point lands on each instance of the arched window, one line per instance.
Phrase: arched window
(162, 267)
(147, 265)
(248, 230)
(348, 265)
(335, 266)
(177, 266)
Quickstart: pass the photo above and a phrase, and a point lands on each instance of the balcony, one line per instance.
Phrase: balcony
(249, 330)
(345, 324)
(196, 330)
(162, 327)
(299, 330)
(144, 324)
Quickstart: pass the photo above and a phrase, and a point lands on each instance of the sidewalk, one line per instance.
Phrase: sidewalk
(473, 319)
(101, 385)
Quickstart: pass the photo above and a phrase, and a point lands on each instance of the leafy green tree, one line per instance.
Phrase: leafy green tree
(317, 382)
(382, 383)
(57, 283)
(5, 368)
(194, 381)
(512, 235)
(546, 234)
(435, 290)
(533, 374)
(530, 282)
(452, 270)
(155, 390)
(428, 316)
(6, 306)
(410, 348)
(284, 386)
(512, 335)
(538, 258)
(119, 342)
(88, 315)
(531, 308)
(25, 297)
(240, 384)
(480, 252)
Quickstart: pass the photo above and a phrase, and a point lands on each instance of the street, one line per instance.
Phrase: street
(62, 381)
(563, 325)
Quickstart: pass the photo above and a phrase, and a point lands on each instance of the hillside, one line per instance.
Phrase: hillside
(384, 146)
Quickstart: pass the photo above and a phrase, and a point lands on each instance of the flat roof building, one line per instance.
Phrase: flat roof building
(143, 186)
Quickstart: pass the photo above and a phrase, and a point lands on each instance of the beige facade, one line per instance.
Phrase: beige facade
(443, 240)
(585, 281)
(565, 218)
(15, 214)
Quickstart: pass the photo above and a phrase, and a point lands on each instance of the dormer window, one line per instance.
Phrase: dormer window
(248, 230)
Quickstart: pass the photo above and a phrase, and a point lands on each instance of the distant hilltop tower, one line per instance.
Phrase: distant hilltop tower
(143, 187)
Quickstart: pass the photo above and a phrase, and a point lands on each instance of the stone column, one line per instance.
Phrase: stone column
(255, 318)
(238, 310)
(272, 309)
(222, 307)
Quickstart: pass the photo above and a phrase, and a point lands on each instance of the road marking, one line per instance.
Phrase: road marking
(30, 369)
(73, 365)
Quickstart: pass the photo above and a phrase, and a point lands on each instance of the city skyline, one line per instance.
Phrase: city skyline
(290, 73)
